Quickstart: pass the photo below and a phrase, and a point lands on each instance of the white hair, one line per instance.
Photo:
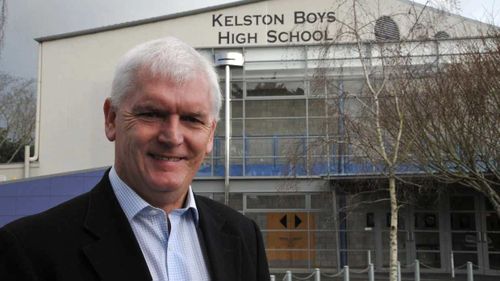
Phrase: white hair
(167, 58)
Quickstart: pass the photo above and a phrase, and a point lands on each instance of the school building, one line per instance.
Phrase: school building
(300, 197)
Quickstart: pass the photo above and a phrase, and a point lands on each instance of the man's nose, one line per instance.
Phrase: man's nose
(171, 131)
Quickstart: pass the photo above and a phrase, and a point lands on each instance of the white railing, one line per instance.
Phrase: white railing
(370, 271)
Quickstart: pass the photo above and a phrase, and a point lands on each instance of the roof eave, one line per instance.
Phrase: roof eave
(143, 21)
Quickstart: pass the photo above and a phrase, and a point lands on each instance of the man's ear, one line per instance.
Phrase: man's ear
(109, 120)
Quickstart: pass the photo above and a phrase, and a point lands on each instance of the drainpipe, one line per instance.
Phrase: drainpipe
(27, 158)
(228, 59)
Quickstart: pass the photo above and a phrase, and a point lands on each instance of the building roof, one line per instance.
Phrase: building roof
(183, 14)
(143, 21)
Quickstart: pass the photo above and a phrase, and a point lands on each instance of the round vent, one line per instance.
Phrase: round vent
(420, 32)
(441, 35)
(386, 29)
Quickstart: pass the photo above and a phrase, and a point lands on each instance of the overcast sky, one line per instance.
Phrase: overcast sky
(29, 19)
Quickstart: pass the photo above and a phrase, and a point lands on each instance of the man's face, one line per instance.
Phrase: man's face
(162, 132)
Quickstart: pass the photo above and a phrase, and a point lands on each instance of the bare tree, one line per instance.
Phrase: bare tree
(453, 118)
(17, 107)
(17, 116)
(369, 131)
(370, 119)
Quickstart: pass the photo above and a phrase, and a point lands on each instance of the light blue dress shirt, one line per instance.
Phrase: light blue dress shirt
(173, 255)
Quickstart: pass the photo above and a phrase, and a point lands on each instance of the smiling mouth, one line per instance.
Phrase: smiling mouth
(166, 158)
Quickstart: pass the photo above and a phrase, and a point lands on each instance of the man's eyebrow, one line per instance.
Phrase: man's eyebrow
(198, 114)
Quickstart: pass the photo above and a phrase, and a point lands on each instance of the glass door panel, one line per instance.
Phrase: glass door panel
(491, 239)
(427, 239)
(464, 230)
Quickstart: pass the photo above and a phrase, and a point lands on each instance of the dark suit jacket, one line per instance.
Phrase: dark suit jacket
(89, 238)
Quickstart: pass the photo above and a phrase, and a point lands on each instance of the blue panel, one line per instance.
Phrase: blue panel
(31, 205)
(203, 174)
(335, 166)
(89, 183)
(6, 219)
(18, 199)
(204, 171)
(319, 169)
(291, 170)
(67, 185)
(407, 168)
(38, 187)
(262, 170)
(236, 170)
(91, 179)
(7, 206)
(219, 170)
(361, 168)
(8, 189)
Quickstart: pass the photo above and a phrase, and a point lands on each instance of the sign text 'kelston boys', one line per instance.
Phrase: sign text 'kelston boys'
(273, 21)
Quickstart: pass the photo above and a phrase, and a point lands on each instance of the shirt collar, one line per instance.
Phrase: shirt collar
(132, 204)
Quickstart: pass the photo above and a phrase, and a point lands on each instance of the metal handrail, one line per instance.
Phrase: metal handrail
(370, 270)
(333, 275)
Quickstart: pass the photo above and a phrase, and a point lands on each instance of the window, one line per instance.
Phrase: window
(275, 88)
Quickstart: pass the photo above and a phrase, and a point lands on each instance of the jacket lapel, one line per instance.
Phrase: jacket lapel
(115, 254)
(222, 248)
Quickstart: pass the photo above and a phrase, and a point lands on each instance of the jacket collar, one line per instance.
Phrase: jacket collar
(222, 248)
(115, 254)
(132, 204)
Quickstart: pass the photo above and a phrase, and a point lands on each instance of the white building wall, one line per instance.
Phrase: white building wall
(76, 71)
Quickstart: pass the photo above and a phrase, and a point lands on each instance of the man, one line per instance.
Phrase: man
(142, 221)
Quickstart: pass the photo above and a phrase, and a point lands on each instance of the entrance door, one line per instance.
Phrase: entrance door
(490, 240)
(465, 230)
(427, 238)
(475, 233)
(292, 240)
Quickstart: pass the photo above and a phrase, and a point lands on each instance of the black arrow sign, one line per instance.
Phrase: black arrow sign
(284, 221)
(298, 221)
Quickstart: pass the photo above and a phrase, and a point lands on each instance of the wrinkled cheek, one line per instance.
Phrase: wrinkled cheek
(132, 149)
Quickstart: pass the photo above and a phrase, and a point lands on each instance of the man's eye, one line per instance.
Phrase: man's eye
(144, 114)
(149, 114)
(191, 119)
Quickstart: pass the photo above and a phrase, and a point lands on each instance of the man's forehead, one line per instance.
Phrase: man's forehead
(142, 88)
(144, 85)
(179, 77)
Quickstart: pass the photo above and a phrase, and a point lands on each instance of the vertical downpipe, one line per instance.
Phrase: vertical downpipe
(227, 135)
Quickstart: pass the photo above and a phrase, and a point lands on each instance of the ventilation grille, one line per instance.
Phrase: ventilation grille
(441, 35)
(386, 29)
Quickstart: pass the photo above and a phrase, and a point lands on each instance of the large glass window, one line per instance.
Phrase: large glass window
(276, 108)
(427, 238)
(275, 88)
(464, 235)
